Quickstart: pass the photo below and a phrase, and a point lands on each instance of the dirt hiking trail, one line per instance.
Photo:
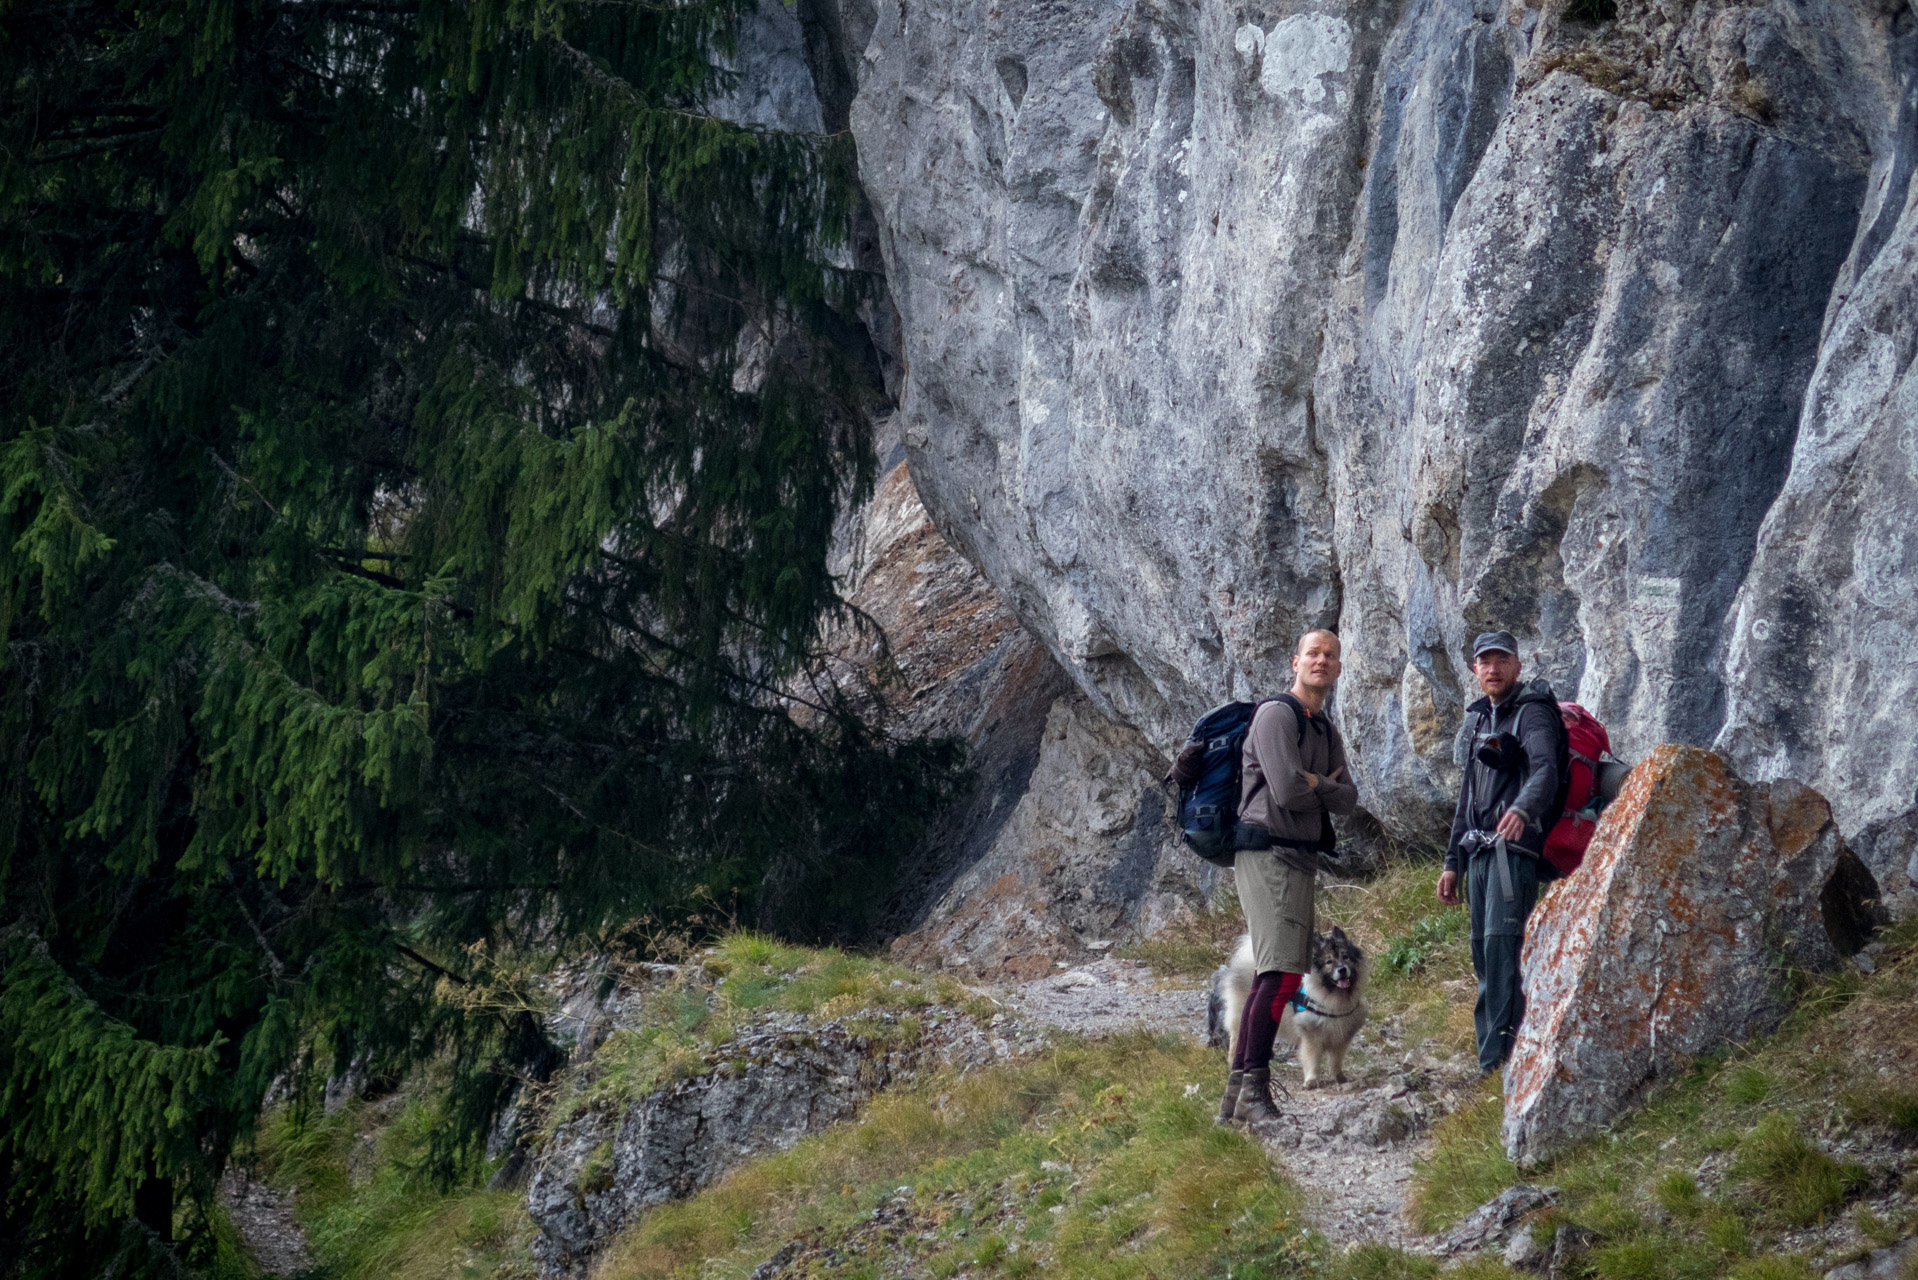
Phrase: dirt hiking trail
(1349, 1147)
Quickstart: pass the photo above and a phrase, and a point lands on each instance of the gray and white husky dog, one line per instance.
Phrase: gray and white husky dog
(1334, 990)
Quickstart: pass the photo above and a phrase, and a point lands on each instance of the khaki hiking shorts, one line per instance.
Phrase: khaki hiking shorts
(1277, 900)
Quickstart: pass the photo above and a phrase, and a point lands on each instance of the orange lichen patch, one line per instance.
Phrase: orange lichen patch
(1666, 942)
(938, 616)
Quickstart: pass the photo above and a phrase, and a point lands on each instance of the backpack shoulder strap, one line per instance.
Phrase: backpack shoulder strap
(1298, 709)
(1260, 784)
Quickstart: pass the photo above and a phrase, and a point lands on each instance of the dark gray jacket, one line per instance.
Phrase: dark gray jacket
(1530, 715)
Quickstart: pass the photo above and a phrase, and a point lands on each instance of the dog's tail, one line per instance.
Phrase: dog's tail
(1231, 987)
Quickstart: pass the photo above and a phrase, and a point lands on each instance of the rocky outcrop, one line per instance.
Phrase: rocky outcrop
(1223, 322)
(762, 1091)
(1088, 855)
(1890, 1263)
(1063, 839)
(1700, 895)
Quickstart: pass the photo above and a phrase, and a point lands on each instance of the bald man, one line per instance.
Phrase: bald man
(1293, 779)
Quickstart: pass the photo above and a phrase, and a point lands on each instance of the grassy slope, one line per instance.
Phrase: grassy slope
(1099, 1160)
(370, 1211)
(1089, 1160)
(1727, 1172)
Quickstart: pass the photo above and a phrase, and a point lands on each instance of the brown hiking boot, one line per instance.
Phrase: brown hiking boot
(1255, 1097)
(1229, 1103)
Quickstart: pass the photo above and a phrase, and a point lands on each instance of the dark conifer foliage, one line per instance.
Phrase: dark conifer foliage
(421, 430)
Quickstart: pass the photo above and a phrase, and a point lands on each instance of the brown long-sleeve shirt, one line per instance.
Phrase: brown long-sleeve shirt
(1286, 806)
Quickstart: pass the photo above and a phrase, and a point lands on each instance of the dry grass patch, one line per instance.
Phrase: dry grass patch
(1194, 944)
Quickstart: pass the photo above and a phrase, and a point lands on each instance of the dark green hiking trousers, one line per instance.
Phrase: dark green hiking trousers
(1498, 932)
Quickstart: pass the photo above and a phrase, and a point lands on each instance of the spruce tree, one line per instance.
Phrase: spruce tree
(421, 429)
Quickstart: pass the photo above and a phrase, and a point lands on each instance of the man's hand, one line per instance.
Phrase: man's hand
(1511, 826)
(1311, 780)
(1448, 888)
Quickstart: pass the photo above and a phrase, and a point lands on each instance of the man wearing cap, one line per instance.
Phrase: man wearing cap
(1507, 805)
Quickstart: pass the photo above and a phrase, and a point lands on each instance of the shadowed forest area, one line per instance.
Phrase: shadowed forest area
(424, 426)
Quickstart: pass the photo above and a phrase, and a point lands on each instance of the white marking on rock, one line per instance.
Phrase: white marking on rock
(1300, 50)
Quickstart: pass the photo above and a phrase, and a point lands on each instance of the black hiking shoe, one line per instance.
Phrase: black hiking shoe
(1255, 1097)
(1228, 1105)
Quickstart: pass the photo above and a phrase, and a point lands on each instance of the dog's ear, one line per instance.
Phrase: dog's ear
(1338, 934)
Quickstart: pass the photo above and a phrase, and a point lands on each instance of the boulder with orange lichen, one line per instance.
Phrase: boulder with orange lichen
(1700, 897)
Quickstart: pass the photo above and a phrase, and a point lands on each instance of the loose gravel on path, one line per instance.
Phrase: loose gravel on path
(264, 1219)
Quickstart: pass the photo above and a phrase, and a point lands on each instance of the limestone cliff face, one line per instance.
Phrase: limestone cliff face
(1226, 320)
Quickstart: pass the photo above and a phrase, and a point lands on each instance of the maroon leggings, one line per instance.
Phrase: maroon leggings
(1259, 1024)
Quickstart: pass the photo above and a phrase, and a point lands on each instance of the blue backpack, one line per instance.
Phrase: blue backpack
(1207, 774)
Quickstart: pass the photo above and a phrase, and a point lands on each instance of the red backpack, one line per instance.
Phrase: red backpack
(1589, 744)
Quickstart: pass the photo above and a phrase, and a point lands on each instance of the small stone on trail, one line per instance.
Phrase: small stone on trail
(1526, 1254)
(1494, 1219)
(1894, 1263)
(1569, 1248)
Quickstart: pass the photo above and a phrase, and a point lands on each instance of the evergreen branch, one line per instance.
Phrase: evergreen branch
(353, 553)
(527, 298)
(374, 575)
(93, 148)
(718, 669)
(583, 63)
(434, 967)
(273, 961)
(321, 8)
(102, 131)
(237, 478)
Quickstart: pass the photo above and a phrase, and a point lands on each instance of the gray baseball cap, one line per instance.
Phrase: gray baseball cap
(1490, 640)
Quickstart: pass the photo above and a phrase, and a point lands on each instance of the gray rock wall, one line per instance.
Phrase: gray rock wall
(1227, 321)
(761, 1091)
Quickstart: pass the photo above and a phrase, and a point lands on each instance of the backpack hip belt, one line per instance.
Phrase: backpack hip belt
(1301, 855)
(1488, 842)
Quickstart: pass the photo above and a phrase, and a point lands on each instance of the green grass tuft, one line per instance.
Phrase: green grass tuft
(1677, 1193)
(1381, 1262)
(1788, 1266)
(1798, 1183)
(388, 1220)
(1747, 1086)
(1430, 937)
(1877, 1104)
(1466, 1167)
